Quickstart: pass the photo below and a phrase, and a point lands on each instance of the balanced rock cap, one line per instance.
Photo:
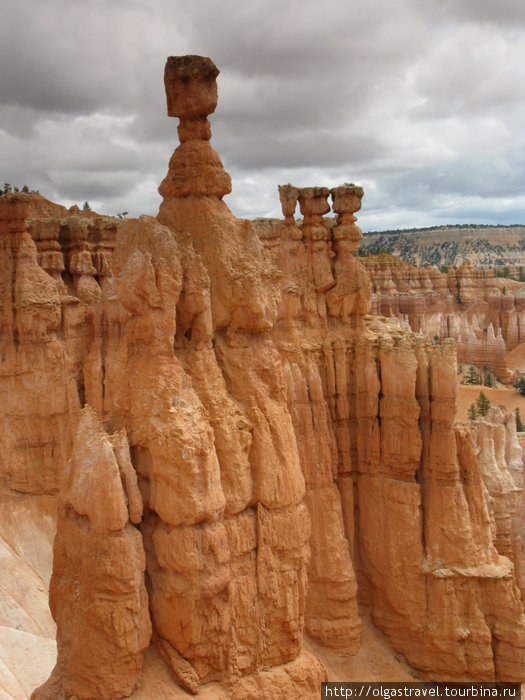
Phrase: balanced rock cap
(190, 85)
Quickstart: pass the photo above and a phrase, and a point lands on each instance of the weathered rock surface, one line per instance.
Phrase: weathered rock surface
(269, 452)
(27, 630)
(484, 314)
(501, 463)
(415, 506)
(53, 266)
(97, 593)
(500, 459)
(229, 587)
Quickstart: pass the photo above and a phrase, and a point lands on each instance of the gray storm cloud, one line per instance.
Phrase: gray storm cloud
(419, 102)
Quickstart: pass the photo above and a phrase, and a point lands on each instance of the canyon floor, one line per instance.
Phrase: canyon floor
(375, 661)
(500, 395)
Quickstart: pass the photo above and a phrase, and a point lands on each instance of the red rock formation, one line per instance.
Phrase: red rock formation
(500, 459)
(248, 564)
(501, 463)
(40, 402)
(414, 502)
(97, 593)
(482, 313)
(293, 453)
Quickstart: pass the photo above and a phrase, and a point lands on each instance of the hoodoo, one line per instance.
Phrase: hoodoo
(240, 452)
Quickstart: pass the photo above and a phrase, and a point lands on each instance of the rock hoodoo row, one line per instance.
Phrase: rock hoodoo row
(417, 515)
(483, 313)
(228, 427)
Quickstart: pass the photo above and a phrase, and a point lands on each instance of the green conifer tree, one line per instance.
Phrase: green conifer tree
(472, 376)
(487, 376)
(482, 404)
(520, 386)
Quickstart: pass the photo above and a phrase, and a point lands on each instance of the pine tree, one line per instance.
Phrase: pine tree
(520, 386)
(472, 412)
(86, 206)
(519, 425)
(482, 404)
(472, 376)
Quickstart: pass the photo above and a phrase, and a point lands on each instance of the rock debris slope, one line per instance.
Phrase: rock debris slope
(240, 451)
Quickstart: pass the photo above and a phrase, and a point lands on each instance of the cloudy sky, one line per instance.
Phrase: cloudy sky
(419, 101)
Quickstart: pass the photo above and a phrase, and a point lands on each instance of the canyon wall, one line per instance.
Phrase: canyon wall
(415, 506)
(483, 313)
(241, 451)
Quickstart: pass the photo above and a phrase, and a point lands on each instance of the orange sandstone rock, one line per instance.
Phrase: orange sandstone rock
(97, 593)
(249, 566)
(483, 314)
(282, 453)
(419, 523)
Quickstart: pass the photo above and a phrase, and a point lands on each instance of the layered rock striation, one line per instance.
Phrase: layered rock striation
(483, 313)
(241, 451)
(54, 266)
(415, 506)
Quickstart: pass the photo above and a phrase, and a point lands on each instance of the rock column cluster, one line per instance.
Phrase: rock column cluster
(417, 519)
(482, 313)
(255, 453)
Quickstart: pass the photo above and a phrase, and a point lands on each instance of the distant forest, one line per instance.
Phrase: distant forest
(443, 227)
(484, 245)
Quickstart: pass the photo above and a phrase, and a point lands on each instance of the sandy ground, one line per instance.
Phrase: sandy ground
(516, 358)
(509, 398)
(375, 660)
(27, 631)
